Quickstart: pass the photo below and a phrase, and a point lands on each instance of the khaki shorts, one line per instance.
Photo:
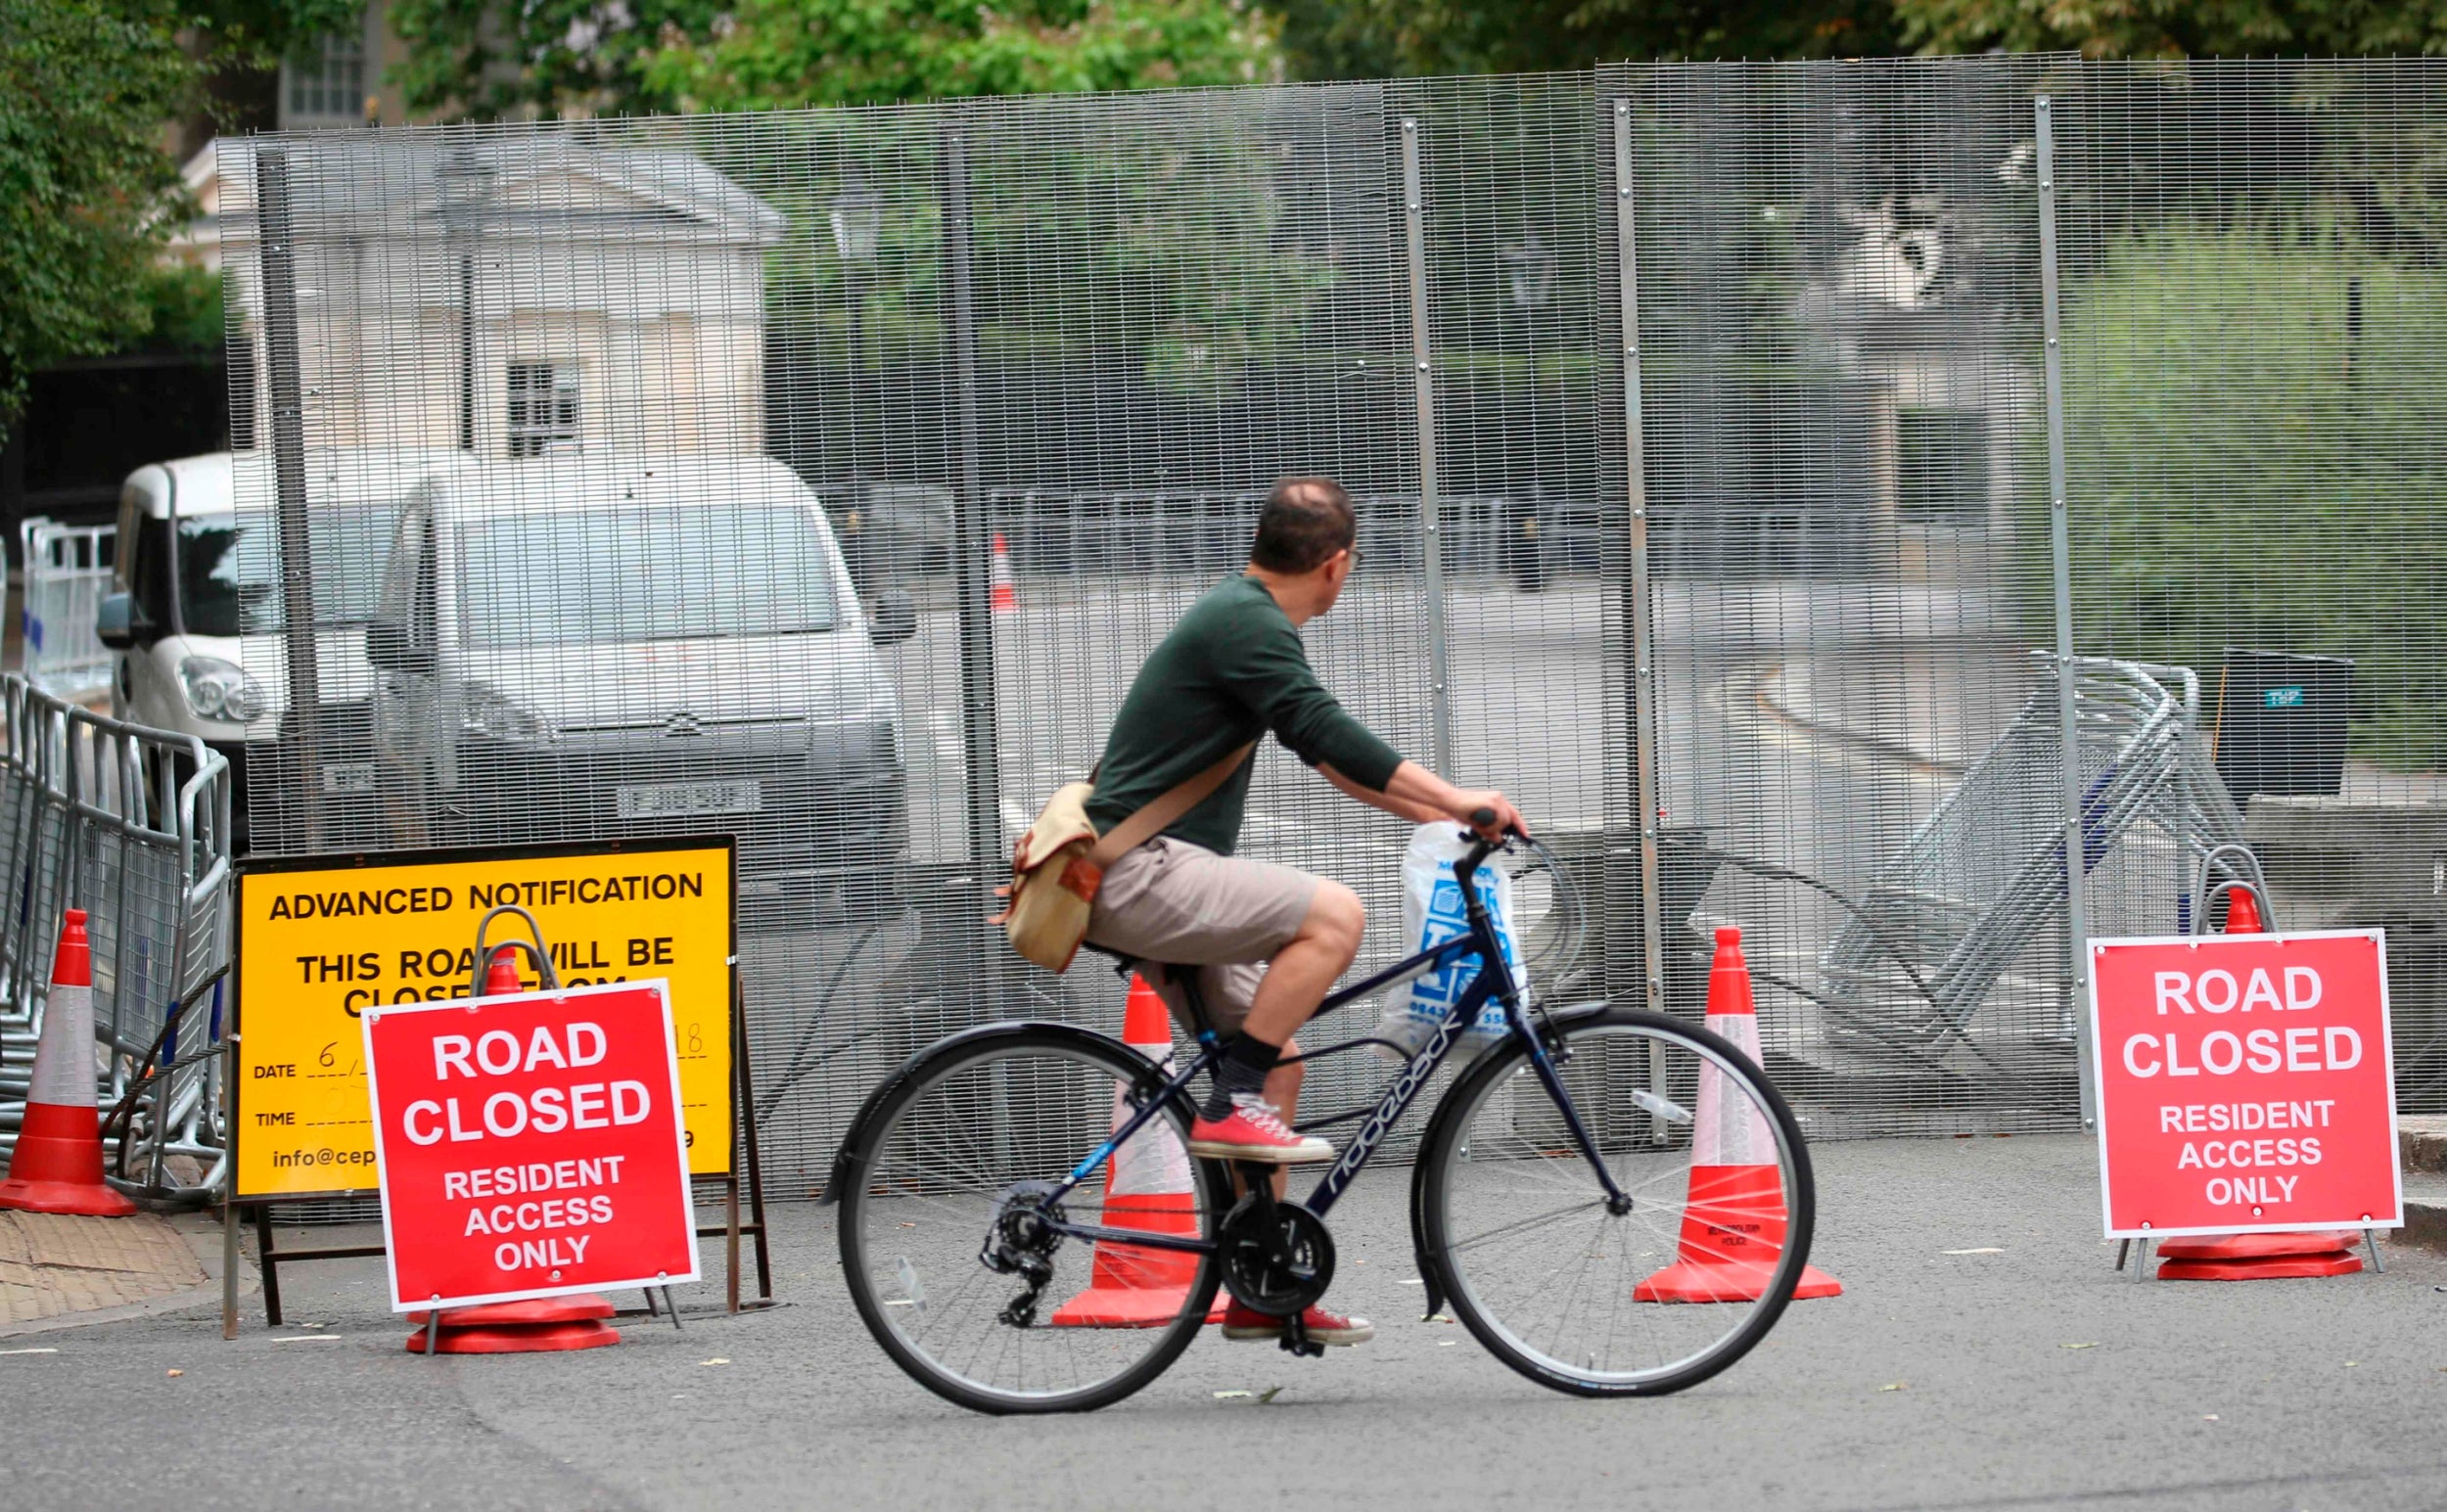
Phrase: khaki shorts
(1173, 903)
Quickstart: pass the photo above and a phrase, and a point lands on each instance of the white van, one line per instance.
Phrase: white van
(571, 647)
(195, 624)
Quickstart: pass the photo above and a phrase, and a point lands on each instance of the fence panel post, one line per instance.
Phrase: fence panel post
(1423, 387)
(2060, 567)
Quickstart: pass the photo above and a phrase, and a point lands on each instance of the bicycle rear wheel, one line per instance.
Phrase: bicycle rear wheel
(959, 1163)
(1548, 1272)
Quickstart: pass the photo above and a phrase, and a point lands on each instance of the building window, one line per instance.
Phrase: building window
(323, 82)
(1941, 466)
(543, 408)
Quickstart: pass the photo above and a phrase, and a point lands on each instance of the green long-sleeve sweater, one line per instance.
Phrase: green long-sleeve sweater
(1233, 669)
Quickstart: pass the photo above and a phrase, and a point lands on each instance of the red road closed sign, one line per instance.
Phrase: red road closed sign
(529, 1146)
(2244, 1083)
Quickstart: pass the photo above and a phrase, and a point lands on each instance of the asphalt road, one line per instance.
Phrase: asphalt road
(1984, 1355)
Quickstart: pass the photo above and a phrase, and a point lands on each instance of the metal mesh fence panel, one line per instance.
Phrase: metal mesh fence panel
(1837, 295)
(2253, 295)
(825, 476)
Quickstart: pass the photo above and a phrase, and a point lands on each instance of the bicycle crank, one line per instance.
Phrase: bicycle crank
(1276, 1255)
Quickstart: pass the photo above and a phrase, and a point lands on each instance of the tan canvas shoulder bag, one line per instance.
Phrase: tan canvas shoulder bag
(1058, 865)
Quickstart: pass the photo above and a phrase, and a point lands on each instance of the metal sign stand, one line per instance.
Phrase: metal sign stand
(271, 1257)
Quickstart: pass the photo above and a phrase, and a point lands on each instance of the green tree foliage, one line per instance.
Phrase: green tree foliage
(598, 56)
(1373, 38)
(85, 86)
(2176, 28)
(2253, 418)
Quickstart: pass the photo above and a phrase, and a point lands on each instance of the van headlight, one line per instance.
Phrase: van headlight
(487, 713)
(219, 690)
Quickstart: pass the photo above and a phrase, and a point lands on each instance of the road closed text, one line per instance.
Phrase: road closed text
(509, 1114)
(2242, 1082)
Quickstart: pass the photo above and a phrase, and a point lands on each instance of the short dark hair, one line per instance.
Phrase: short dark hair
(1305, 520)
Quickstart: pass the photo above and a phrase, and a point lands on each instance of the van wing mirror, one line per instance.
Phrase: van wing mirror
(896, 617)
(388, 648)
(120, 623)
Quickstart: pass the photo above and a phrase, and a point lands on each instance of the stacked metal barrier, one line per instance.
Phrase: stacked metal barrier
(1983, 876)
(68, 570)
(132, 826)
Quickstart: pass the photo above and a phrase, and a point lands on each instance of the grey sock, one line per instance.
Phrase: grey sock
(1245, 1066)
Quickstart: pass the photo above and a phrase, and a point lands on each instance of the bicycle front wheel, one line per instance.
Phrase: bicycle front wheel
(952, 1210)
(1601, 1297)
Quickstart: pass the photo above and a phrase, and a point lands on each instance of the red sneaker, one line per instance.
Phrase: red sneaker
(1252, 1132)
(1245, 1323)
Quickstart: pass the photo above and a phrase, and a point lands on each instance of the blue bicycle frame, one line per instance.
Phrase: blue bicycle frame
(1494, 980)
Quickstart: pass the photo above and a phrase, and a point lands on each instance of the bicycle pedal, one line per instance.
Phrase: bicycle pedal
(1297, 1343)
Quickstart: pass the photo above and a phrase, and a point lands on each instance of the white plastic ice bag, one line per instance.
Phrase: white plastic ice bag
(1431, 914)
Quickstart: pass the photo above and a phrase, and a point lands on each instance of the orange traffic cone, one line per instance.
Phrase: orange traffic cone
(1006, 593)
(535, 1325)
(2257, 1257)
(57, 1165)
(1147, 1187)
(1734, 1219)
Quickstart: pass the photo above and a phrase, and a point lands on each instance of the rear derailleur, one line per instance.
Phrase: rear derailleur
(1020, 1241)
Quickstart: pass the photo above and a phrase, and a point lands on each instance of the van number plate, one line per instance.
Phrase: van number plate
(670, 800)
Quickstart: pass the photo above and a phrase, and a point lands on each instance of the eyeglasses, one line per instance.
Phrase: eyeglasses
(1356, 555)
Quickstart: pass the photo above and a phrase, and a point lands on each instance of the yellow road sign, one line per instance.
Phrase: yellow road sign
(320, 938)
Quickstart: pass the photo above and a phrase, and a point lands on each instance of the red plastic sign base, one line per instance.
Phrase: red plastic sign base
(2283, 1267)
(2258, 1247)
(526, 1339)
(519, 1314)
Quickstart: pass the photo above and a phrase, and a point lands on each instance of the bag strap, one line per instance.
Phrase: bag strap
(1160, 813)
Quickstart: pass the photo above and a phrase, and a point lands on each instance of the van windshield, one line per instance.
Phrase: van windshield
(598, 577)
(229, 569)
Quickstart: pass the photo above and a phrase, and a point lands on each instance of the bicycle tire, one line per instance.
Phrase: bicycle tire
(1443, 1159)
(868, 1179)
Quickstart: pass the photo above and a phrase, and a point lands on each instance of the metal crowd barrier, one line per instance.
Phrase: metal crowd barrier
(133, 826)
(1984, 874)
(67, 571)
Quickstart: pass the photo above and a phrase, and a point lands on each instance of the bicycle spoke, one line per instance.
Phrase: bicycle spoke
(981, 1141)
(1557, 1281)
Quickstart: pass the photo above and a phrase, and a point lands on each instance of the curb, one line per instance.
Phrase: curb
(207, 1244)
(2426, 1227)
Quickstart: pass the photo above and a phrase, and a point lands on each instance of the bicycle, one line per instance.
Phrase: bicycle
(1553, 1175)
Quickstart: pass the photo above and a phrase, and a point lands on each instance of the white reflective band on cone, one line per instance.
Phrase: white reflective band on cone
(1730, 1130)
(1153, 1160)
(63, 1068)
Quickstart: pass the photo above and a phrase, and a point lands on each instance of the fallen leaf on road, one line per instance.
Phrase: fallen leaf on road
(2349, 1365)
(716, 1361)
(1228, 1396)
(1269, 1395)
(1415, 1281)
(1990, 1251)
(2087, 1345)
(179, 1372)
(1894, 1386)
(1447, 1343)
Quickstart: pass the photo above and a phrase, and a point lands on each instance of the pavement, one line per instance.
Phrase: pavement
(1986, 1355)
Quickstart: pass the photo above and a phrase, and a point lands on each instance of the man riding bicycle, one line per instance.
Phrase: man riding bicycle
(1267, 940)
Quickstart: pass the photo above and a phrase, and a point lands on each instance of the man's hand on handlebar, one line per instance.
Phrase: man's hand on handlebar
(1489, 813)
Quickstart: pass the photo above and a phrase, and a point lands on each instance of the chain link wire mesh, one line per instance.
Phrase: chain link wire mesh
(824, 475)
(2254, 260)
